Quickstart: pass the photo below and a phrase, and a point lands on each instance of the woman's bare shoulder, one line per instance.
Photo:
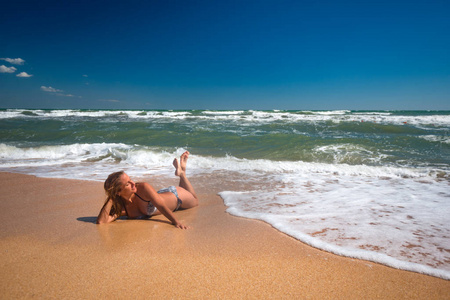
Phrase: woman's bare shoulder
(143, 186)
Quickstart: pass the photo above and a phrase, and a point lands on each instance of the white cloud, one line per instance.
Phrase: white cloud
(24, 74)
(85, 76)
(50, 89)
(14, 61)
(55, 92)
(5, 69)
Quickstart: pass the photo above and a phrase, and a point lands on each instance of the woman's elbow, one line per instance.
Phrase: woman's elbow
(104, 221)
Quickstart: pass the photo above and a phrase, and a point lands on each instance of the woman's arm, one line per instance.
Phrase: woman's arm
(169, 214)
(104, 215)
(148, 192)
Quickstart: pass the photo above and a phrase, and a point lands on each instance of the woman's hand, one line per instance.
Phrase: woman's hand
(181, 226)
(104, 215)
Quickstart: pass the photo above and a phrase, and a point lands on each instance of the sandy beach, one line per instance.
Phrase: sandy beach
(52, 248)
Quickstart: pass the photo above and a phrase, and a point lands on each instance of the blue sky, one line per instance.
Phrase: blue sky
(225, 54)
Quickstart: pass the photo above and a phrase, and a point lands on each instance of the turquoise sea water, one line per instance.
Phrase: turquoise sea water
(400, 138)
(366, 184)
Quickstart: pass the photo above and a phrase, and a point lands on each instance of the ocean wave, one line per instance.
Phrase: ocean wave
(438, 119)
(350, 154)
(220, 112)
(87, 161)
(436, 138)
(151, 158)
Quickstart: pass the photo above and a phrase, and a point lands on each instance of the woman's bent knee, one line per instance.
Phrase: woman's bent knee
(189, 201)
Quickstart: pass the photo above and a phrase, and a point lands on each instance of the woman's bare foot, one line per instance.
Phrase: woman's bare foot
(183, 160)
(180, 167)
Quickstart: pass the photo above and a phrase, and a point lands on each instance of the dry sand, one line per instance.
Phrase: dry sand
(52, 248)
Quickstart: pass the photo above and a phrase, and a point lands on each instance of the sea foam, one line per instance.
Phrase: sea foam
(383, 117)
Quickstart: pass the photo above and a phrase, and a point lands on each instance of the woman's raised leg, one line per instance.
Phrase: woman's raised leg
(187, 193)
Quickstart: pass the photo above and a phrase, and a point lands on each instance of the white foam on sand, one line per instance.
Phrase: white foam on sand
(393, 219)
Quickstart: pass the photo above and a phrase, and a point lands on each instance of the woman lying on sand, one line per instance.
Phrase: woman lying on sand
(140, 200)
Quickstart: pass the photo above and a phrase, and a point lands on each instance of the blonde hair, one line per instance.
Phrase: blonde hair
(112, 186)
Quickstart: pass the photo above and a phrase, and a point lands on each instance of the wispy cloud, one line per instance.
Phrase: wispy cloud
(5, 69)
(56, 92)
(50, 89)
(24, 74)
(14, 61)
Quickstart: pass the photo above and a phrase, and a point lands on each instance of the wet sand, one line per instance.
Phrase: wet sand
(52, 248)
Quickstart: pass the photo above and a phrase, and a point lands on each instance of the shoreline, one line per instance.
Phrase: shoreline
(52, 248)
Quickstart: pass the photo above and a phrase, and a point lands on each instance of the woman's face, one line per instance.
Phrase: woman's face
(128, 187)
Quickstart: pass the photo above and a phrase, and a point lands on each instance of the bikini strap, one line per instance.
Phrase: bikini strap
(141, 198)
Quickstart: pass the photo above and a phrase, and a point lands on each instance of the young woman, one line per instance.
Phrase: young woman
(141, 200)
